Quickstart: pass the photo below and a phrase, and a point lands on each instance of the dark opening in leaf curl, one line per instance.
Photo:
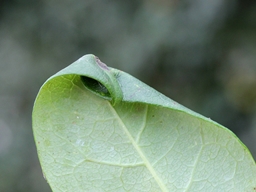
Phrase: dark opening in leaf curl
(96, 87)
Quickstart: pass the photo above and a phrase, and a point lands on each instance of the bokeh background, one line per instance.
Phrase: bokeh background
(200, 53)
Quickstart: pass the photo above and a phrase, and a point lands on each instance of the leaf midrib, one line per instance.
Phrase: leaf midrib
(140, 152)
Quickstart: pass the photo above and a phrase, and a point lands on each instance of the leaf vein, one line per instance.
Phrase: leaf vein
(144, 120)
(196, 162)
(140, 152)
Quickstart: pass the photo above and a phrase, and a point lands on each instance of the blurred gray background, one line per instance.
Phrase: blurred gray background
(200, 53)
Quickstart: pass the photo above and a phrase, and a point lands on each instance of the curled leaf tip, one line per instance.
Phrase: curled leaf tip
(101, 80)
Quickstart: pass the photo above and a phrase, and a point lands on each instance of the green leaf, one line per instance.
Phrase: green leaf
(99, 129)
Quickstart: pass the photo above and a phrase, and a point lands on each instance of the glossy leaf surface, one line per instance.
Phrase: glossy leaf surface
(99, 129)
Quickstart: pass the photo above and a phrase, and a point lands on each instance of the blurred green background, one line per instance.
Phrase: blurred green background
(200, 53)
